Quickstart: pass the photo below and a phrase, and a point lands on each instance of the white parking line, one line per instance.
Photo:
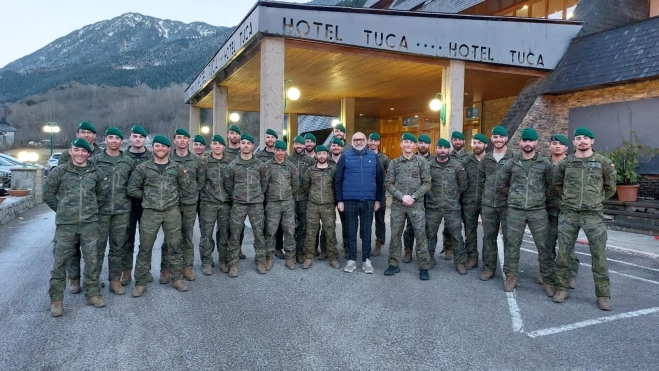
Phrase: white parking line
(591, 322)
(515, 314)
(610, 270)
(613, 260)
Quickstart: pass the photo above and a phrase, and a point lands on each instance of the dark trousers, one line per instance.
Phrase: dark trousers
(359, 214)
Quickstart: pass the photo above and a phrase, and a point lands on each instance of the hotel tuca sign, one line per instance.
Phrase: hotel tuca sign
(530, 43)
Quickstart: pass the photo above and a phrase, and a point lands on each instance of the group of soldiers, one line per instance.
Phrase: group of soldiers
(103, 194)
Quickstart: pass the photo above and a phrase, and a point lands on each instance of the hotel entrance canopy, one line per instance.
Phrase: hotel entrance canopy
(348, 61)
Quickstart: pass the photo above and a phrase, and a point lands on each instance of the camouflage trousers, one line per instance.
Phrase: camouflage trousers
(67, 238)
(152, 220)
(592, 223)
(539, 226)
(553, 239)
(280, 213)
(210, 214)
(493, 219)
(416, 216)
(115, 227)
(129, 246)
(238, 214)
(470, 215)
(316, 214)
(188, 217)
(301, 228)
(380, 226)
(452, 222)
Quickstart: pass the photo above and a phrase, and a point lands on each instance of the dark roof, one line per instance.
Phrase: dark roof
(451, 6)
(601, 15)
(616, 56)
(406, 4)
(307, 123)
(5, 127)
(522, 105)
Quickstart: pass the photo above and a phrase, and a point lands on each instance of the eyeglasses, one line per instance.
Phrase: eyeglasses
(359, 139)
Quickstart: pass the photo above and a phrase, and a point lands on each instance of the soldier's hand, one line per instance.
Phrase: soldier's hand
(340, 206)
(408, 200)
(376, 207)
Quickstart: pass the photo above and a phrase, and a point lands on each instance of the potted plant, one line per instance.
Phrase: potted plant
(626, 159)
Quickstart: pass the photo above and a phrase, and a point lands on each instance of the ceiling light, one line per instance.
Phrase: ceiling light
(392, 108)
(525, 7)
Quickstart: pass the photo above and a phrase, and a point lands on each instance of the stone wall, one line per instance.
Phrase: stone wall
(366, 125)
(493, 113)
(12, 207)
(649, 187)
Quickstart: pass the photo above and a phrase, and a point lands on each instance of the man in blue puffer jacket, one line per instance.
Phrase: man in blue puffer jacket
(358, 187)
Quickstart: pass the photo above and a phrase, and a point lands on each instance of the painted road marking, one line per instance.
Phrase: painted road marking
(515, 314)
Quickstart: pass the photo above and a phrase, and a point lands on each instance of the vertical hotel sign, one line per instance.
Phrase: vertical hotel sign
(245, 32)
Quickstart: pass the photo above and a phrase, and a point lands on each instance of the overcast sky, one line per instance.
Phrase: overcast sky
(27, 26)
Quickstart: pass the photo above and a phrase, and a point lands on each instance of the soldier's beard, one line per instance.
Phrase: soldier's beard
(478, 151)
(322, 160)
(442, 157)
(309, 149)
(528, 149)
(299, 150)
(423, 151)
(458, 147)
(583, 149)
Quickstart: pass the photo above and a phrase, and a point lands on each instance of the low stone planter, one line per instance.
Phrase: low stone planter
(12, 207)
(18, 192)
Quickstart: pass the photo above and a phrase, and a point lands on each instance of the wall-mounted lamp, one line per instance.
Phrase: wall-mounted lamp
(291, 92)
(437, 104)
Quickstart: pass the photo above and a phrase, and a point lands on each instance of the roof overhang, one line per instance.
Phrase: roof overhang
(518, 42)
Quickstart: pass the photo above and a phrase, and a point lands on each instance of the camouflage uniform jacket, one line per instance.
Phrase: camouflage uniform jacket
(138, 160)
(584, 183)
(471, 195)
(264, 155)
(319, 183)
(117, 175)
(233, 151)
(408, 177)
(302, 162)
(66, 157)
(384, 163)
(489, 170)
(525, 191)
(460, 156)
(282, 180)
(160, 192)
(191, 163)
(554, 200)
(212, 174)
(446, 184)
(246, 180)
(73, 195)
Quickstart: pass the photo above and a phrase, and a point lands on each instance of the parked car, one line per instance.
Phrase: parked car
(5, 178)
(52, 161)
(14, 161)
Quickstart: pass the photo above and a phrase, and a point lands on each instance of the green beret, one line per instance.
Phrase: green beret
(340, 127)
(457, 135)
(321, 148)
(499, 130)
(181, 131)
(337, 141)
(310, 137)
(234, 128)
(247, 137)
(299, 139)
(138, 130)
(560, 138)
(481, 137)
(374, 136)
(528, 134)
(81, 143)
(87, 126)
(218, 138)
(409, 136)
(424, 138)
(271, 132)
(162, 140)
(199, 139)
(584, 131)
(441, 142)
(280, 144)
(114, 131)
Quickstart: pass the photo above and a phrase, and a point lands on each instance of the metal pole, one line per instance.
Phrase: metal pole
(51, 141)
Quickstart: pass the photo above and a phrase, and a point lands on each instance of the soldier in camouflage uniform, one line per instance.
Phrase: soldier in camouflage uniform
(423, 150)
(339, 132)
(448, 181)
(471, 207)
(86, 131)
(525, 181)
(266, 154)
(558, 148)
(245, 182)
(584, 180)
(282, 182)
(460, 154)
(199, 145)
(380, 226)
(233, 148)
(319, 185)
(188, 205)
(494, 207)
(215, 205)
(160, 183)
(302, 162)
(310, 145)
(408, 180)
(139, 154)
(74, 190)
(114, 214)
